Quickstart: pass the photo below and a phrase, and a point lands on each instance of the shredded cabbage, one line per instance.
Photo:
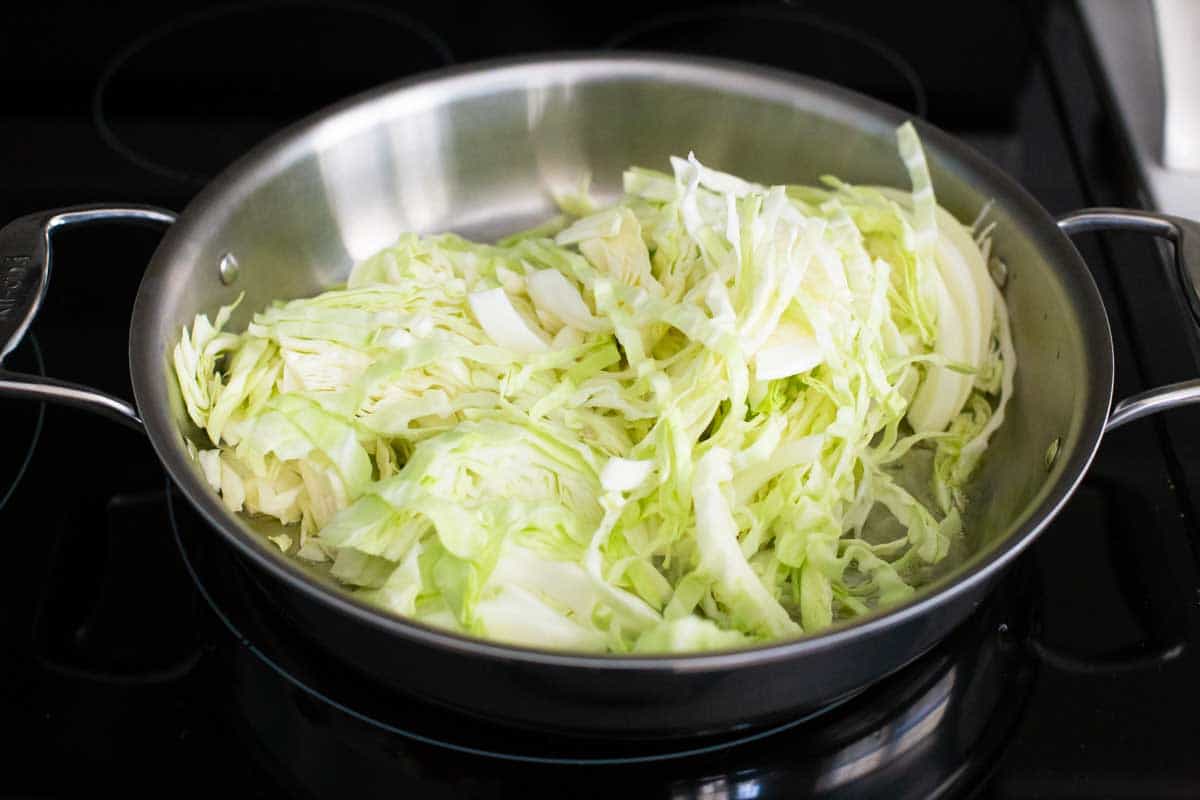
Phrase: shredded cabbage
(678, 423)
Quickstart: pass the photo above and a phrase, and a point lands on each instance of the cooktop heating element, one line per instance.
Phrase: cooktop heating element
(806, 43)
(185, 99)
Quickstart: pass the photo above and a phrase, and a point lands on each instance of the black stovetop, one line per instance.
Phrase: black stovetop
(136, 659)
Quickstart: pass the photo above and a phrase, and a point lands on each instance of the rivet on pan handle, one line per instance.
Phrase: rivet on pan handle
(1184, 235)
(25, 257)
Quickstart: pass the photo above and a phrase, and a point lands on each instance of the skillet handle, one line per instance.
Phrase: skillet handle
(25, 257)
(1184, 236)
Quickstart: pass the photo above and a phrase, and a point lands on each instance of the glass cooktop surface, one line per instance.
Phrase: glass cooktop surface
(137, 656)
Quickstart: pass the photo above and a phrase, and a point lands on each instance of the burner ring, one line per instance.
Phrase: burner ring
(438, 51)
(664, 23)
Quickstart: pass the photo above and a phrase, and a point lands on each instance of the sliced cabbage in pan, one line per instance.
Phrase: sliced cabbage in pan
(688, 421)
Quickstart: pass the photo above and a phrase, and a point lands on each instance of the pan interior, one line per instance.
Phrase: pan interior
(483, 152)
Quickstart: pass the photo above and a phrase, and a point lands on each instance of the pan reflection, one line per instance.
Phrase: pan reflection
(935, 727)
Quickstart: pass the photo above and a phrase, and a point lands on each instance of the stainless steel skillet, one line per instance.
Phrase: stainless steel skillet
(479, 150)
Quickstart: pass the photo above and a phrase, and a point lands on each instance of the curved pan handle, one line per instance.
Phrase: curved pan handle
(1184, 236)
(25, 256)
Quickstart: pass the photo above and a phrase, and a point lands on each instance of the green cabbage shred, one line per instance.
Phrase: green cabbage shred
(679, 423)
